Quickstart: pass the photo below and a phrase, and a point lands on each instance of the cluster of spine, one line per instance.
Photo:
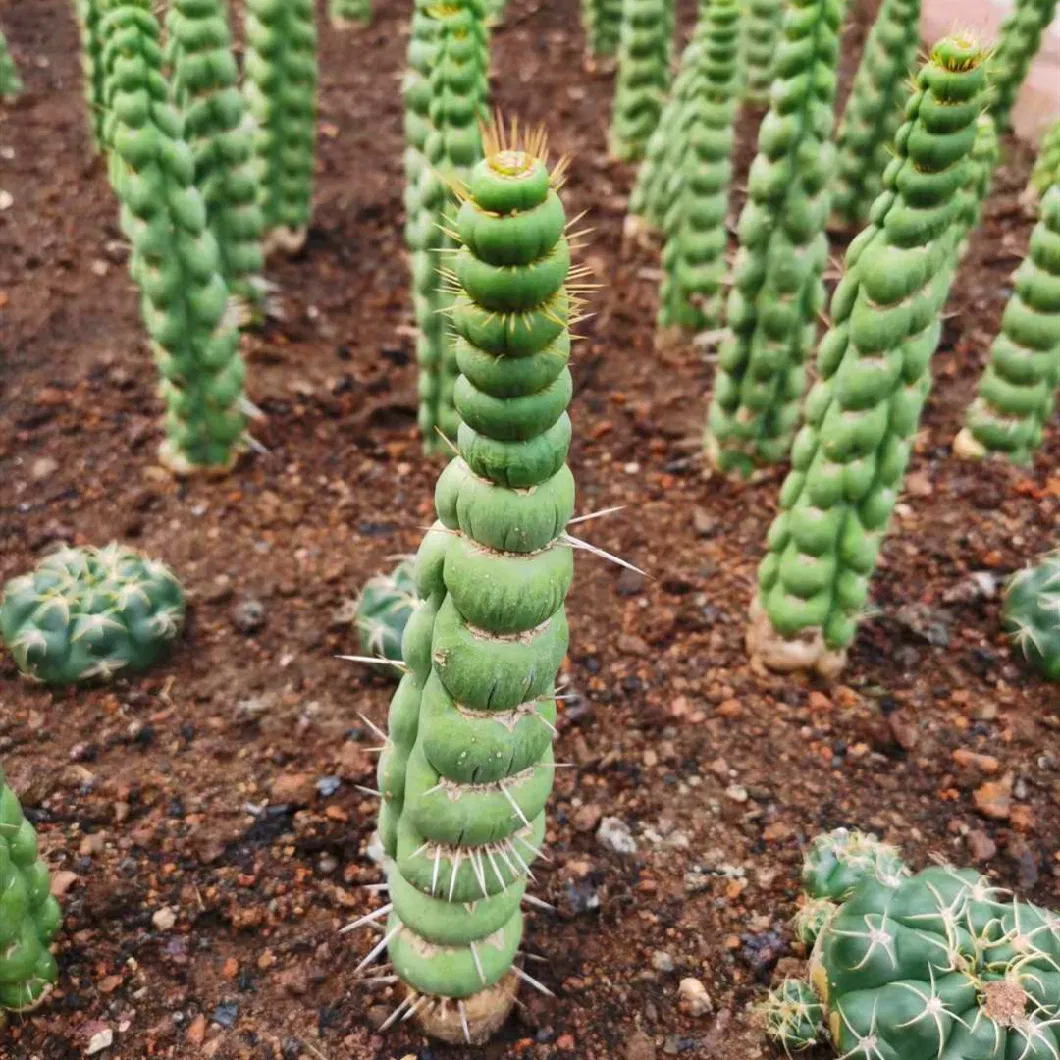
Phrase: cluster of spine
(602, 22)
(1018, 388)
(849, 459)
(29, 915)
(761, 29)
(874, 110)
(693, 256)
(350, 13)
(1031, 614)
(88, 18)
(1018, 43)
(1046, 164)
(280, 88)
(10, 82)
(794, 1016)
(175, 260)
(205, 83)
(468, 766)
(383, 610)
(777, 292)
(644, 51)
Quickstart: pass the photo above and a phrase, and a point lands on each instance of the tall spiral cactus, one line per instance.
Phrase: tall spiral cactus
(849, 459)
(280, 88)
(874, 110)
(10, 82)
(644, 50)
(175, 260)
(1018, 388)
(602, 22)
(777, 292)
(693, 256)
(346, 14)
(205, 81)
(88, 16)
(29, 915)
(761, 34)
(468, 766)
(1046, 164)
(1018, 43)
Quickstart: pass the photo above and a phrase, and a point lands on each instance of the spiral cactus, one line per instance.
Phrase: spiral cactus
(88, 18)
(849, 459)
(1018, 43)
(29, 915)
(761, 34)
(693, 256)
(602, 22)
(205, 83)
(794, 1017)
(1032, 614)
(175, 260)
(777, 292)
(10, 82)
(1046, 164)
(874, 110)
(280, 88)
(347, 14)
(383, 610)
(468, 765)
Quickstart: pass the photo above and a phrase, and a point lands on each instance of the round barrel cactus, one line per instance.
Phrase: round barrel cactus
(1046, 163)
(347, 14)
(602, 22)
(761, 31)
(383, 609)
(1018, 43)
(10, 82)
(849, 459)
(87, 613)
(88, 16)
(29, 915)
(794, 1017)
(1031, 614)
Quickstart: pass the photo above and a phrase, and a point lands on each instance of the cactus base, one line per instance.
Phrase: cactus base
(967, 447)
(740, 470)
(808, 651)
(484, 1013)
(287, 240)
(179, 465)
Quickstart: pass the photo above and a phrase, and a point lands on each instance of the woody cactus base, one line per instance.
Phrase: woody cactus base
(1031, 615)
(383, 610)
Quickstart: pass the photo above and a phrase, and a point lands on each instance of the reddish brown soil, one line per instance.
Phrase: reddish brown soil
(194, 788)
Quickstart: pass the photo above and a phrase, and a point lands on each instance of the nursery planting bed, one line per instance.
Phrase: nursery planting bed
(202, 821)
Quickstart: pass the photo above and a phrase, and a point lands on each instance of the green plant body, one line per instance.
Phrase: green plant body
(88, 17)
(205, 82)
(873, 113)
(383, 609)
(280, 88)
(10, 82)
(849, 459)
(777, 292)
(89, 613)
(794, 1016)
(602, 22)
(693, 257)
(839, 860)
(29, 915)
(761, 33)
(985, 155)
(1018, 43)
(1047, 162)
(467, 768)
(345, 14)
(1031, 614)
(175, 260)
(1018, 388)
(644, 50)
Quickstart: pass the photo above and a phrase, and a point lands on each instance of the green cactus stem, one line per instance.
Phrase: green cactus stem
(693, 256)
(644, 51)
(88, 18)
(1017, 390)
(205, 83)
(602, 22)
(383, 610)
(1046, 165)
(1018, 43)
(777, 292)
(175, 260)
(468, 767)
(873, 113)
(280, 88)
(849, 459)
(839, 860)
(29, 915)
(1031, 614)
(10, 82)
(761, 34)
(811, 918)
(87, 614)
(794, 1017)
(350, 14)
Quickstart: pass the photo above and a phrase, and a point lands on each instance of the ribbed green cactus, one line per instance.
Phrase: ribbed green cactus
(468, 767)
(29, 915)
(794, 1016)
(345, 14)
(849, 460)
(873, 113)
(839, 860)
(1046, 163)
(602, 22)
(280, 88)
(10, 82)
(1032, 614)
(88, 17)
(383, 610)
(761, 34)
(1018, 388)
(89, 613)
(693, 256)
(175, 260)
(1018, 43)
(644, 50)
(777, 293)
(205, 83)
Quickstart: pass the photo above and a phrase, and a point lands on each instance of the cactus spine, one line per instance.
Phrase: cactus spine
(602, 22)
(468, 765)
(10, 82)
(761, 31)
(280, 88)
(849, 459)
(644, 50)
(693, 256)
(206, 88)
(1031, 614)
(346, 14)
(175, 260)
(1046, 164)
(777, 292)
(794, 1016)
(88, 18)
(1018, 43)
(874, 110)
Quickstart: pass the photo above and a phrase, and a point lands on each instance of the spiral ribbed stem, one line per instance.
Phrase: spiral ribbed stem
(1047, 162)
(345, 14)
(761, 34)
(1018, 43)
(602, 22)
(10, 82)
(88, 16)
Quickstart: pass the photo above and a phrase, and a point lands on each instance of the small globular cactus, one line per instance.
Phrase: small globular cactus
(1031, 614)
(839, 860)
(383, 609)
(29, 914)
(89, 613)
(88, 17)
(777, 292)
(175, 260)
(10, 82)
(873, 113)
(761, 34)
(602, 22)
(1018, 388)
(794, 1017)
(280, 88)
(1018, 43)
(350, 14)
(693, 256)
(811, 918)
(1046, 165)
(849, 459)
